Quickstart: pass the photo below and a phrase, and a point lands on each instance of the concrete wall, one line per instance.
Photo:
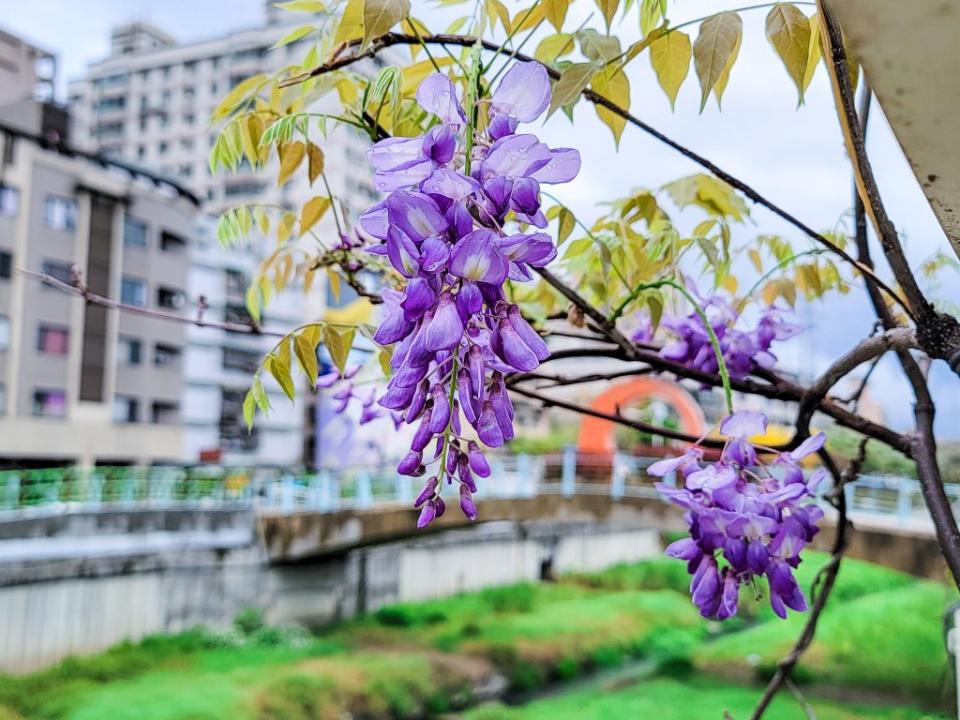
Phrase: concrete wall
(51, 607)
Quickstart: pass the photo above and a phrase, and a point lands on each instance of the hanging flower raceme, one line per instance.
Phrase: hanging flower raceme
(744, 349)
(454, 227)
(747, 519)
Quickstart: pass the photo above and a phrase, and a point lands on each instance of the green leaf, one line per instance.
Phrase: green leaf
(249, 409)
(381, 15)
(612, 84)
(567, 223)
(670, 57)
(554, 47)
(338, 344)
(555, 11)
(239, 93)
(254, 301)
(788, 30)
(717, 41)
(279, 366)
(573, 81)
(595, 46)
(294, 35)
(307, 357)
(651, 12)
(260, 395)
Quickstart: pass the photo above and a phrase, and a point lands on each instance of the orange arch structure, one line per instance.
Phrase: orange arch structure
(597, 435)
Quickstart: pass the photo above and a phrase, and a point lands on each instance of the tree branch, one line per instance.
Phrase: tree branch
(391, 39)
(938, 333)
(872, 347)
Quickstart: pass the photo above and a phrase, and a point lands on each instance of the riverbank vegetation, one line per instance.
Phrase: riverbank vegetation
(509, 644)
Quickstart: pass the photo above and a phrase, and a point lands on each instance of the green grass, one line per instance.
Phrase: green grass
(668, 699)
(889, 641)
(881, 632)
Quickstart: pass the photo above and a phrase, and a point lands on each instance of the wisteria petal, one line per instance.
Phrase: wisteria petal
(477, 258)
(437, 95)
(523, 93)
(744, 424)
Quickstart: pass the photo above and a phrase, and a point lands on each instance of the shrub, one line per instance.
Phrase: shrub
(249, 620)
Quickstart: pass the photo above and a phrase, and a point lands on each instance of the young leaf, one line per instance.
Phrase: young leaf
(351, 22)
(595, 46)
(573, 80)
(291, 155)
(249, 409)
(612, 84)
(260, 395)
(670, 57)
(314, 162)
(567, 223)
(279, 367)
(555, 11)
(294, 35)
(312, 212)
(717, 41)
(813, 51)
(339, 343)
(725, 75)
(554, 47)
(381, 15)
(303, 6)
(788, 30)
(306, 356)
(609, 9)
(239, 93)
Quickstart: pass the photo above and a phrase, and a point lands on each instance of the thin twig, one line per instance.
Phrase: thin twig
(824, 580)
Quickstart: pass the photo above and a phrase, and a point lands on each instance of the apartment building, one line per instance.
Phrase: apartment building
(26, 71)
(219, 365)
(150, 102)
(80, 383)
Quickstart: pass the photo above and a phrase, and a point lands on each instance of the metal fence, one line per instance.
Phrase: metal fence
(567, 473)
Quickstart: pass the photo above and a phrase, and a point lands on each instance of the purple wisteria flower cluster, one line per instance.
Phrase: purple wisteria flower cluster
(747, 519)
(744, 349)
(345, 392)
(454, 225)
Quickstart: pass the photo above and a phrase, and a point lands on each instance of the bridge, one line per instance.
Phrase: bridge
(91, 557)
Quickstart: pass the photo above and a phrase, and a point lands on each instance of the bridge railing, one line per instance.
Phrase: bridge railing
(567, 473)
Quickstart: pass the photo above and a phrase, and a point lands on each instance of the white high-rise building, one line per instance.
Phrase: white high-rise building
(150, 103)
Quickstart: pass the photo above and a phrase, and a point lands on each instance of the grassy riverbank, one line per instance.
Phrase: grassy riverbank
(880, 638)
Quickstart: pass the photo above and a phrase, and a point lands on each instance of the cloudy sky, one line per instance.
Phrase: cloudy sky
(794, 156)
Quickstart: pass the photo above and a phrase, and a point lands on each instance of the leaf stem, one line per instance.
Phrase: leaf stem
(779, 266)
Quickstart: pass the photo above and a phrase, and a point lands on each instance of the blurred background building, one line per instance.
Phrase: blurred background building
(123, 171)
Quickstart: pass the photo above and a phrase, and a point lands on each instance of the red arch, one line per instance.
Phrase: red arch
(597, 435)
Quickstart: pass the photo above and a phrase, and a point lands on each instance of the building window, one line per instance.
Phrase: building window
(4, 332)
(188, 93)
(189, 119)
(165, 355)
(60, 213)
(214, 89)
(58, 271)
(162, 148)
(234, 313)
(6, 265)
(3, 399)
(162, 412)
(169, 242)
(9, 196)
(126, 409)
(129, 350)
(246, 361)
(170, 298)
(234, 436)
(133, 291)
(50, 403)
(236, 282)
(53, 340)
(190, 66)
(134, 231)
(187, 143)
(141, 151)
